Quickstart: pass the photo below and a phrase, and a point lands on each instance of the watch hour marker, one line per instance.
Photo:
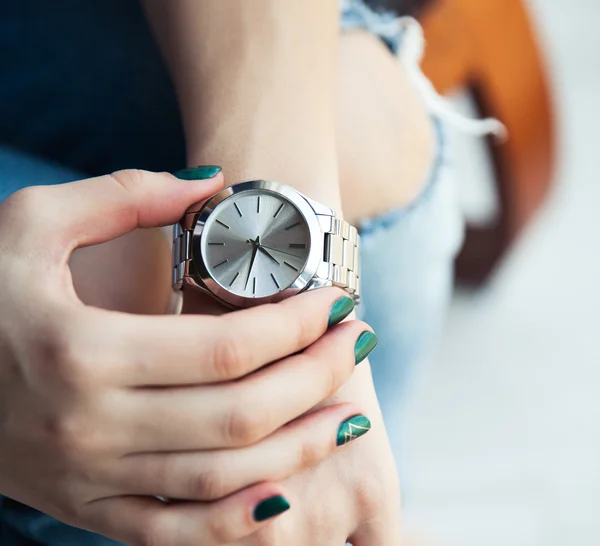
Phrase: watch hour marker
(220, 264)
(275, 281)
(216, 244)
(279, 210)
(290, 265)
(254, 285)
(297, 245)
(224, 225)
(258, 204)
(234, 278)
(238, 209)
(292, 226)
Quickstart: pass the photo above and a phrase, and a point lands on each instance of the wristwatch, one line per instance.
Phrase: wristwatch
(259, 242)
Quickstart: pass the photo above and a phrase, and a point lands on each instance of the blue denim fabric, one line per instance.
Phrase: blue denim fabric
(84, 88)
(83, 84)
(19, 169)
(355, 14)
(407, 258)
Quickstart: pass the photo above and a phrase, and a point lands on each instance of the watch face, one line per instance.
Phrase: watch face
(255, 243)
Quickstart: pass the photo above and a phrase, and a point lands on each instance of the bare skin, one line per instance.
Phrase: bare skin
(385, 147)
(384, 144)
(385, 137)
(102, 411)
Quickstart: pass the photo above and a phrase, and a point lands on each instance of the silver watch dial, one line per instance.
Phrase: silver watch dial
(255, 243)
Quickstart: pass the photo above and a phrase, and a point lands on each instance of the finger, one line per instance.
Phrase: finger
(210, 475)
(99, 209)
(240, 413)
(188, 350)
(141, 521)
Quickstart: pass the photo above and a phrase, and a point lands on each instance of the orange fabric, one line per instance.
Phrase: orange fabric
(491, 48)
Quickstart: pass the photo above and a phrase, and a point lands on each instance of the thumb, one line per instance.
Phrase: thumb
(99, 209)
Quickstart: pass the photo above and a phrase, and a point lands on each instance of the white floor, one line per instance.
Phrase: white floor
(503, 425)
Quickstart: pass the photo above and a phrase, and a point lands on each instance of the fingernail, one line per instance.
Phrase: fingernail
(340, 310)
(353, 428)
(269, 508)
(366, 342)
(201, 172)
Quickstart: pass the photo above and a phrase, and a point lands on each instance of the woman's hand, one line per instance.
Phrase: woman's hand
(102, 411)
(353, 495)
(257, 88)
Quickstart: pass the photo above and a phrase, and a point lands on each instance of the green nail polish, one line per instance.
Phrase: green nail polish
(340, 310)
(203, 172)
(269, 508)
(352, 428)
(366, 342)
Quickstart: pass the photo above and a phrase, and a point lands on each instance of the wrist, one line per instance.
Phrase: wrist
(312, 173)
(256, 90)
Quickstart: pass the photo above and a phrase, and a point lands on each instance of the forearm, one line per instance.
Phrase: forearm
(256, 82)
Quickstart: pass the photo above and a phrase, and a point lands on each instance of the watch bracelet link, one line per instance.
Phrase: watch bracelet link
(182, 250)
(341, 260)
(342, 254)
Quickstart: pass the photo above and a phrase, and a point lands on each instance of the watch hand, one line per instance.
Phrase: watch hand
(282, 251)
(262, 249)
(254, 252)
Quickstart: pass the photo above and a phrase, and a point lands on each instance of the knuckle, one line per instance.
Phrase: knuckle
(30, 201)
(243, 426)
(64, 359)
(128, 179)
(59, 367)
(220, 530)
(298, 324)
(70, 504)
(339, 366)
(343, 367)
(330, 368)
(330, 376)
(68, 433)
(228, 358)
(34, 202)
(368, 496)
(304, 327)
(274, 534)
(210, 484)
(310, 453)
(154, 533)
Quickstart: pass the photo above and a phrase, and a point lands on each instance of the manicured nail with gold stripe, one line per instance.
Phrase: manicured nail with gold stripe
(271, 507)
(352, 428)
(202, 172)
(340, 309)
(366, 342)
